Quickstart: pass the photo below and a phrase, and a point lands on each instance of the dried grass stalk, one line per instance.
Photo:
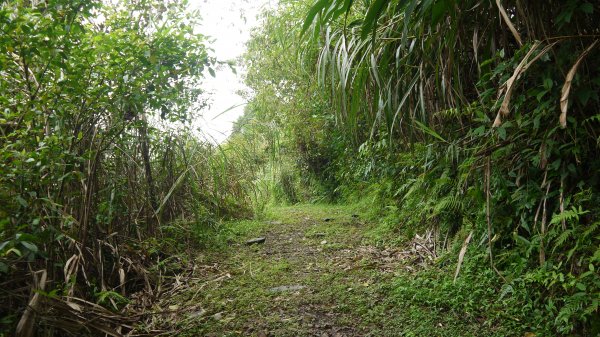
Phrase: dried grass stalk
(461, 255)
(564, 98)
(506, 19)
(26, 326)
(510, 84)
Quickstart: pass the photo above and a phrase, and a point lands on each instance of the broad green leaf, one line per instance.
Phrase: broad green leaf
(15, 251)
(407, 17)
(437, 11)
(587, 8)
(21, 201)
(429, 131)
(312, 13)
(370, 21)
(30, 246)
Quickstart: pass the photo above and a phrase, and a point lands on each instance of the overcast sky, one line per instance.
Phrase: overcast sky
(229, 23)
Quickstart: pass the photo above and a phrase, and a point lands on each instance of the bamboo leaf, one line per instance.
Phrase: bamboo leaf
(407, 15)
(461, 255)
(429, 131)
(370, 21)
(564, 98)
(506, 19)
(312, 13)
(437, 12)
(510, 84)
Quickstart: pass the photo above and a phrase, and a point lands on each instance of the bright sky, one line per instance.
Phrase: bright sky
(229, 23)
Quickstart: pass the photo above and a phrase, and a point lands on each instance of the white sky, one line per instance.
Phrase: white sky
(229, 23)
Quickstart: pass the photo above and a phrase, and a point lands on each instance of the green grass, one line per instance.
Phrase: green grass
(345, 286)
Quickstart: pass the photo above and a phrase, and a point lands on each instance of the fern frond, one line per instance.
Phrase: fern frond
(568, 216)
(449, 203)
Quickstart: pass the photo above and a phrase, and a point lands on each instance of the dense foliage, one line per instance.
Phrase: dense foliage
(476, 119)
(287, 118)
(98, 156)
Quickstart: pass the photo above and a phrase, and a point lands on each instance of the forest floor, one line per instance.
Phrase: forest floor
(320, 272)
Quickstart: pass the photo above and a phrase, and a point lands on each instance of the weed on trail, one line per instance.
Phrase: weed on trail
(319, 274)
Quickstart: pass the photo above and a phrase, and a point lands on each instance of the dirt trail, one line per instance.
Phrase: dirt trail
(315, 275)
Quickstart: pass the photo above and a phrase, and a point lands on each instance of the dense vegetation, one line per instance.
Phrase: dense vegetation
(475, 121)
(98, 155)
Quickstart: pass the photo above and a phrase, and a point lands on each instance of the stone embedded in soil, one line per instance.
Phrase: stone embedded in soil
(255, 241)
(281, 289)
(197, 314)
(275, 222)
